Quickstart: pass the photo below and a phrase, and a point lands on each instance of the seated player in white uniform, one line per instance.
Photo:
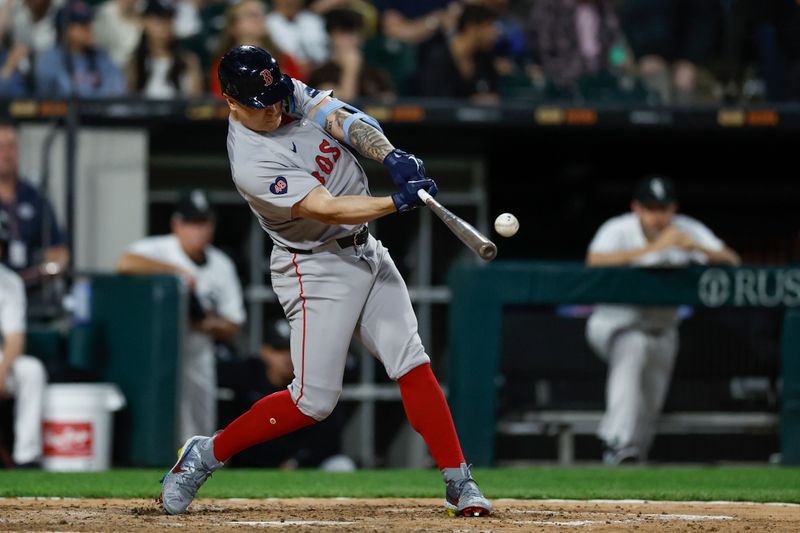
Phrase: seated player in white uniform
(640, 343)
(216, 304)
(21, 376)
(288, 149)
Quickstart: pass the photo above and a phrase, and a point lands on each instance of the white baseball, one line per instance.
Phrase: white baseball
(506, 225)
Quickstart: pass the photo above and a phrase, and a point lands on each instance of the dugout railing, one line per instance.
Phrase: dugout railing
(481, 292)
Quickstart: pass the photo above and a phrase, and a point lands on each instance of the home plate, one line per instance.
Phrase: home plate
(288, 523)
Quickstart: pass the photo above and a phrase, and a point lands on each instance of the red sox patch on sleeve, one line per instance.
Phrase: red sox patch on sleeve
(279, 186)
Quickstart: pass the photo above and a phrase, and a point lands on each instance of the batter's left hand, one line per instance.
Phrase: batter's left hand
(407, 199)
(404, 167)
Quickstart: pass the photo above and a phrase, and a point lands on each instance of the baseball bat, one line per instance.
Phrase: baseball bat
(473, 238)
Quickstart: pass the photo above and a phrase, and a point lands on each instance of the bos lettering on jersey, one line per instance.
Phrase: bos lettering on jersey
(311, 92)
(326, 164)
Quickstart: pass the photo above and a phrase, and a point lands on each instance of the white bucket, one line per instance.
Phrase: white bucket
(77, 426)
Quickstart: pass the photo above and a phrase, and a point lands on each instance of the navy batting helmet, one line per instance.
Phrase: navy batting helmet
(252, 77)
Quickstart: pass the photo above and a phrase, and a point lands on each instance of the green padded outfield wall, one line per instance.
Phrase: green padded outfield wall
(45, 343)
(480, 291)
(133, 338)
(790, 397)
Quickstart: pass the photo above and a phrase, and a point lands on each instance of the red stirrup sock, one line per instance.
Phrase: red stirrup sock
(429, 414)
(268, 418)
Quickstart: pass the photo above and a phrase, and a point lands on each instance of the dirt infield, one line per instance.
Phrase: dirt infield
(351, 515)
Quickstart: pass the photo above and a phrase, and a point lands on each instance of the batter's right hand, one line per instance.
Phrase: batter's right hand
(404, 167)
(407, 199)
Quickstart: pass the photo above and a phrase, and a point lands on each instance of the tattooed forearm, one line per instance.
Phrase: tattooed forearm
(335, 122)
(369, 141)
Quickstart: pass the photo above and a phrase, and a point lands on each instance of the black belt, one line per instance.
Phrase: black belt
(358, 238)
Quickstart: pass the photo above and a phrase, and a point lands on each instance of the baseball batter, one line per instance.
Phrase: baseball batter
(287, 145)
(640, 343)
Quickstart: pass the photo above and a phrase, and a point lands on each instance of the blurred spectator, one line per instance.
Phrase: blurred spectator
(21, 376)
(118, 30)
(417, 21)
(75, 67)
(367, 10)
(37, 245)
(463, 66)
(12, 81)
(761, 50)
(640, 343)
(271, 371)
(198, 24)
(410, 30)
(31, 31)
(670, 40)
(347, 73)
(32, 24)
(511, 45)
(188, 21)
(742, 21)
(786, 16)
(246, 25)
(298, 33)
(570, 39)
(160, 68)
(216, 305)
(6, 12)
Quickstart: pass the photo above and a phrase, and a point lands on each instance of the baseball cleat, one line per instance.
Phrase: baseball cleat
(196, 463)
(462, 496)
(619, 456)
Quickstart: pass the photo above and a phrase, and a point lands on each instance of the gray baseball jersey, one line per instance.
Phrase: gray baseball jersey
(328, 296)
(273, 171)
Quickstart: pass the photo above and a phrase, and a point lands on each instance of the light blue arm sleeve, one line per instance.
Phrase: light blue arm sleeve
(356, 114)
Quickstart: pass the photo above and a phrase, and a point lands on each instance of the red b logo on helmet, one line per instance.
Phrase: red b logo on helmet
(267, 75)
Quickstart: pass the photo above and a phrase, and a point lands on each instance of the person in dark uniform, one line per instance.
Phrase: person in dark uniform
(37, 246)
(463, 65)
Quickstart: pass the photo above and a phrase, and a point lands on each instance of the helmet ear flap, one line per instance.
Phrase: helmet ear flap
(288, 104)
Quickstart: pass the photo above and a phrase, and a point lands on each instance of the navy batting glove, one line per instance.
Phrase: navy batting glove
(407, 199)
(404, 167)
